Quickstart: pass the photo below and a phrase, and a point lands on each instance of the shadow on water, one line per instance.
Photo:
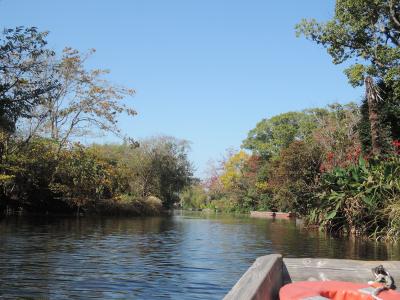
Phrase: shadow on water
(182, 256)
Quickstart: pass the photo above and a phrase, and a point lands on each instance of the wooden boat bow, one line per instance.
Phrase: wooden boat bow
(269, 273)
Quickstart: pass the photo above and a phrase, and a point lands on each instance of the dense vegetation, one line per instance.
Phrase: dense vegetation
(337, 167)
(47, 103)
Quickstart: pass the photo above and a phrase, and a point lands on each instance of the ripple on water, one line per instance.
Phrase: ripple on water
(188, 256)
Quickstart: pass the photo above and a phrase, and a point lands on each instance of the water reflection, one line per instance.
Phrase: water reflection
(185, 256)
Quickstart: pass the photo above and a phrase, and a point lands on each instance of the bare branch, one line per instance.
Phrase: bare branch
(393, 14)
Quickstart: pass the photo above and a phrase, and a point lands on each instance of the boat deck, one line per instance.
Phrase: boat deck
(269, 273)
(337, 269)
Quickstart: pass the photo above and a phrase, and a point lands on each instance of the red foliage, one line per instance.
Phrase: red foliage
(211, 182)
(332, 160)
(253, 165)
(396, 144)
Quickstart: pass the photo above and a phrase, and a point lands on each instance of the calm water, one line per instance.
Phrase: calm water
(184, 256)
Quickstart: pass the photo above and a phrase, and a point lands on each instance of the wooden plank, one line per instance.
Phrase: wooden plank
(261, 281)
(305, 269)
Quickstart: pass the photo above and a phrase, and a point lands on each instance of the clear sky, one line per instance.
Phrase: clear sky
(204, 70)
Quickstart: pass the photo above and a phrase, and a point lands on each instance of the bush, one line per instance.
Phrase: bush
(44, 178)
(361, 199)
(292, 177)
(194, 197)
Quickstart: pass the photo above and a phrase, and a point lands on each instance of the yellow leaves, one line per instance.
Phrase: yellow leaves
(232, 169)
(262, 186)
(96, 89)
(236, 161)
(4, 135)
(58, 188)
(6, 178)
(88, 100)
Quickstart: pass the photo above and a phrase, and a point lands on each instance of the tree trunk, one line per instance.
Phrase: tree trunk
(373, 98)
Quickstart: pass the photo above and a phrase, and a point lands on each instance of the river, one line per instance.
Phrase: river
(182, 256)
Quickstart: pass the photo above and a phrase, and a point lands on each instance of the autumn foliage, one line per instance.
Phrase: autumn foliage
(47, 104)
(326, 176)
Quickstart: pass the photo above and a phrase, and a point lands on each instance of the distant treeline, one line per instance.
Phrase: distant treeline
(48, 103)
(337, 167)
(317, 163)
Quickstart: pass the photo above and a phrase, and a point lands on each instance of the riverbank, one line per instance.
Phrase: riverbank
(97, 179)
(151, 206)
(336, 184)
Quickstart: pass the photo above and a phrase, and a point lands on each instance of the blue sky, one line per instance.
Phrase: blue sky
(204, 70)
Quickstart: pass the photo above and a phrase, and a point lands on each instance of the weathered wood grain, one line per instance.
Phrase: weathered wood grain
(306, 269)
(261, 281)
(269, 273)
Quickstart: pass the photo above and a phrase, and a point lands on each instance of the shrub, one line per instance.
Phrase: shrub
(361, 199)
(292, 177)
(194, 197)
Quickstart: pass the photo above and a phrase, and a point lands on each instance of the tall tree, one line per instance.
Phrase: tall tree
(388, 112)
(272, 135)
(23, 61)
(373, 98)
(83, 101)
(364, 32)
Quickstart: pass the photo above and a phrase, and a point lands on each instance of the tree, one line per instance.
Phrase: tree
(212, 183)
(159, 167)
(83, 178)
(171, 166)
(337, 135)
(23, 66)
(364, 32)
(389, 121)
(272, 135)
(193, 197)
(293, 177)
(83, 101)
(233, 170)
(373, 97)
(238, 179)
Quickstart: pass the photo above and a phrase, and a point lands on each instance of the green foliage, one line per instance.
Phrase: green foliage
(42, 178)
(389, 114)
(392, 230)
(357, 199)
(293, 177)
(265, 202)
(321, 176)
(194, 197)
(224, 204)
(55, 100)
(365, 30)
(31, 168)
(81, 177)
(310, 162)
(159, 167)
(362, 197)
(337, 136)
(274, 134)
(23, 80)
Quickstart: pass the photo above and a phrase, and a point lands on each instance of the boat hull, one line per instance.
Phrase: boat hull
(269, 273)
